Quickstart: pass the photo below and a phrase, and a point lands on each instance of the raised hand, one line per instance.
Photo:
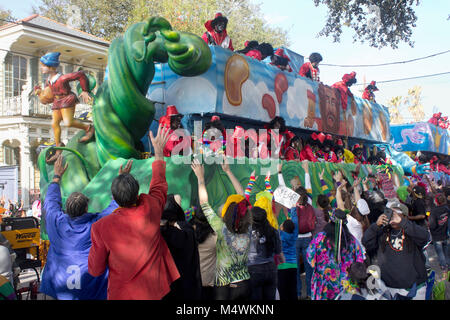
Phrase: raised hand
(396, 218)
(305, 166)
(279, 167)
(59, 169)
(225, 165)
(342, 185)
(356, 182)
(198, 169)
(85, 97)
(321, 174)
(382, 220)
(160, 141)
(127, 167)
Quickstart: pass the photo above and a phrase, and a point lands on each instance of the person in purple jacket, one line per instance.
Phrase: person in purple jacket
(65, 275)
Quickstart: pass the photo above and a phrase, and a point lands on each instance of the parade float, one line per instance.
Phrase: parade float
(152, 66)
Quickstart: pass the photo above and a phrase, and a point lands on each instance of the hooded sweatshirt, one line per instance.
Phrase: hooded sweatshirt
(439, 223)
(401, 263)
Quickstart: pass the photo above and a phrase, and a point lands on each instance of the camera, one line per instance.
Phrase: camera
(388, 213)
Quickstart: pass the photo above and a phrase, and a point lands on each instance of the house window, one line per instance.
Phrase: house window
(10, 155)
(15, 74)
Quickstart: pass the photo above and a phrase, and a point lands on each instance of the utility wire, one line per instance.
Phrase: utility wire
(403, 79)
(344, 65)
(383, 64)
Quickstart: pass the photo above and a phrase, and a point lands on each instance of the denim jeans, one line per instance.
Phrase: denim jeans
(263, 281)
(301, 246)
(233, 291)
(443, 253)
(287, 284)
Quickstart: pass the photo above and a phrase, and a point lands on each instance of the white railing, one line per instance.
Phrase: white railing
(11, 106)
(39, 109)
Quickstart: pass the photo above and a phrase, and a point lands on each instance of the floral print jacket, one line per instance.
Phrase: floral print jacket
(232, 250)
(329, 278)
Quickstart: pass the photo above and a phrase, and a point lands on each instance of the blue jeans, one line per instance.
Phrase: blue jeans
(301, 246)
(441, 248)
(263, 281)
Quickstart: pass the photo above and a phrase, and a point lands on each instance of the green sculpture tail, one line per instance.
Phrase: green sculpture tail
(122, 113)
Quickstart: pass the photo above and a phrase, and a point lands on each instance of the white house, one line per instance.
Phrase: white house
(25, 123)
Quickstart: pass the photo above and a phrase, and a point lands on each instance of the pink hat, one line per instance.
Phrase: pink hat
(172, 111)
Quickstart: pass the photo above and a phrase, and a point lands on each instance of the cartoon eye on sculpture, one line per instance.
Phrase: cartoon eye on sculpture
(121, 112)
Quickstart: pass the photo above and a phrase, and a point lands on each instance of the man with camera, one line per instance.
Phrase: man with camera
(399, 244)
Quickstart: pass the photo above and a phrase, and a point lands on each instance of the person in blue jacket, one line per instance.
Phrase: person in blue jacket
(65, 275)
(287, 271)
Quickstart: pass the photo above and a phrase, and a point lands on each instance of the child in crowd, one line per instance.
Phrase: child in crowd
(287, 271)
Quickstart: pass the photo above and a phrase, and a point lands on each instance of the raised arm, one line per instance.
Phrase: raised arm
(356, 189)
(267, 183)
(236, 184)
(53, 202)
(214, 221)
(199, 171)
(339, 200)
(280, 175)
(251, 183)
(305, 166)
(158, 184)
(325, 190)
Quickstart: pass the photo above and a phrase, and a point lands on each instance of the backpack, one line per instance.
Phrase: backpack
(306, 219)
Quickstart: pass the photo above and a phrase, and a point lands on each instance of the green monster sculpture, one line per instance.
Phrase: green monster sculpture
(121, 112)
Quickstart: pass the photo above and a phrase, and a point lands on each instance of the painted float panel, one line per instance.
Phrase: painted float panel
(420, 136)
(240, 86)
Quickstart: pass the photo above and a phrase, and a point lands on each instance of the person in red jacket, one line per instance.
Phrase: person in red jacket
(307, 153)
(343, 87)
(319, 139)
(261, 52)
(339, 151)
(327, 150)
(64, 100)
(281, 60)
(311, 69)
(216, 32)
(172, 119)
(358, 152)
(129, 242)
(281, 139)
(368, 92)
(292, 152)
(310, 148)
